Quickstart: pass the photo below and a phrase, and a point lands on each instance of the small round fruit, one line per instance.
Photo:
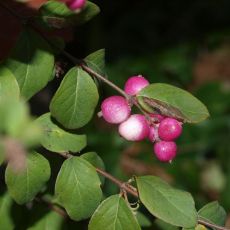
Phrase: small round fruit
(75, 4)
(153, 133)
(135, 84)
(135, 128)
(157, 117)
(115, 109)
(165, 150)
(169, 129)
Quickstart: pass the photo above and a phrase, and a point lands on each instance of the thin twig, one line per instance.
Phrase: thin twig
(130, 189)
(211, 225)
(52, 206)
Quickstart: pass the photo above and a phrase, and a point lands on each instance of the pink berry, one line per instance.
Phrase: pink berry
(169, 129)
(157, 117)
(115, 109)
(135, 128)
(75, 4)
(135, 84)
(153, 133)
(165, 150)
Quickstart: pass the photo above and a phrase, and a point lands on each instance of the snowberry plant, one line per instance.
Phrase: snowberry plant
(161, 110)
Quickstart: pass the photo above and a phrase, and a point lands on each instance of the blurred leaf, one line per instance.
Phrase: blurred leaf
(213, 213)
(96, 161)
(75, 100)
(17, 123)
(143, 220)
(58, 15)
(173, 102)
(96, 61)
(212, 177)
(2, 154)
(31, 62)
(6, 219)
(113, 213)
(49, 220)
(78, 188)
(176, 63)
(24, 183)
(218, 101)
(58, 140)
(165, 226)
(173, 206)
(9, 88)
(198, 227)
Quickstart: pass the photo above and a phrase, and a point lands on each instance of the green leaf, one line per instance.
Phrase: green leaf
(6, 219)
(96, 61)
(58, 140)
(45, 219)
(143, 220)
(173, 102)
(96, 161)
(78, 188)
(9, 89)
(165, 226)
(198, 227)
(213, 213)
(2, 152)
(173, 206)
(24, 184)
(74, 102)
(31, 62)
(17, 123)
(57, 15)
(115, 214)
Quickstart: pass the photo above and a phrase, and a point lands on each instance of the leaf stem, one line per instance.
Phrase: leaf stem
(122, 185)
(211, 225)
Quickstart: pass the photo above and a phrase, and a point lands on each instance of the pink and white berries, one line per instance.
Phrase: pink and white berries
(135, 84)
(169, 129)
(115, 109)
(75, 4)
(165, 150)
(135, 128)
(160, 130)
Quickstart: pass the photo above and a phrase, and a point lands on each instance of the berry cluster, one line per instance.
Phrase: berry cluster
(75, 4)
(160, 130)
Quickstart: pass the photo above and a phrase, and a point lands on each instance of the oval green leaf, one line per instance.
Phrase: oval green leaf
(173, 102)
(214, 213)
(24, 184)
(96, 161)
(57, 15)
(31, 62)
(57, 139)
(114, 214)
(78, 188)
(96, 61)
(74, 102)
(43, 219)
(9, 89)
(173, 206)
(6, 219)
